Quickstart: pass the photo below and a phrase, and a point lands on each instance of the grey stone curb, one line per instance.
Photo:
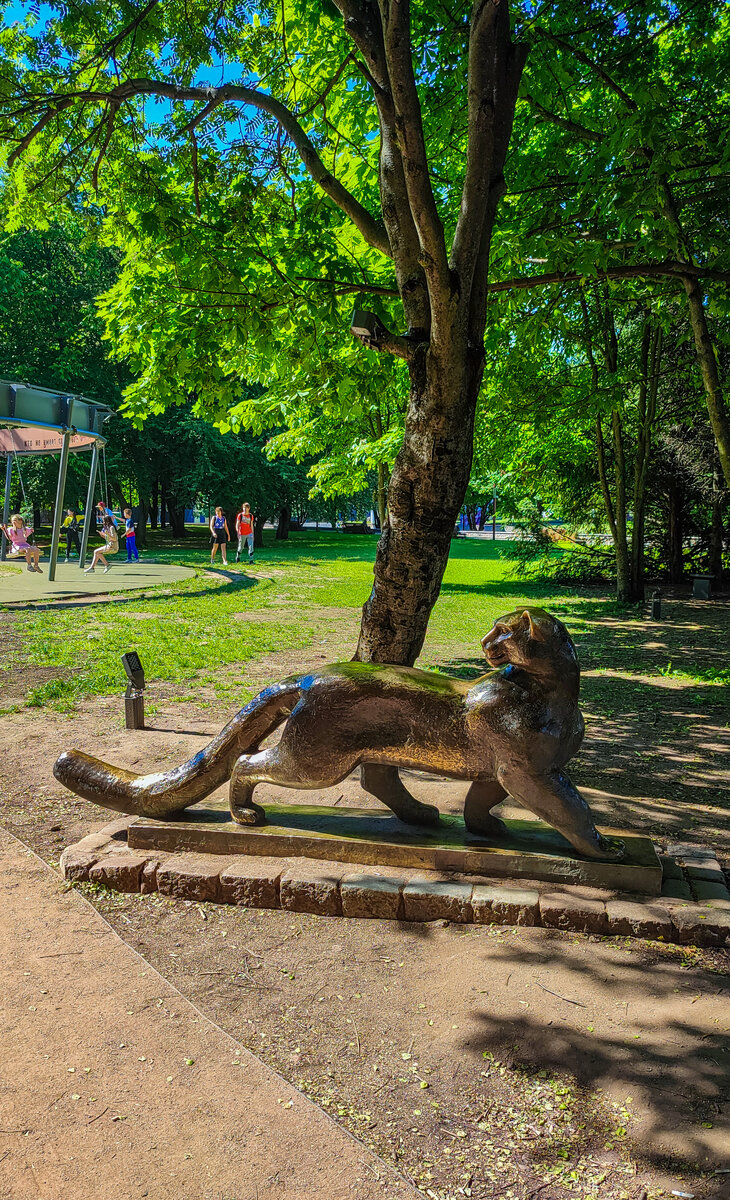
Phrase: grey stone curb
(344, 889)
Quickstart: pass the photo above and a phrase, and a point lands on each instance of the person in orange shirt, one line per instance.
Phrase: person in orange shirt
(244, 530)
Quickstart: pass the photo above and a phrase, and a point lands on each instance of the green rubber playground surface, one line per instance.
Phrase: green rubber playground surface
(20, 586)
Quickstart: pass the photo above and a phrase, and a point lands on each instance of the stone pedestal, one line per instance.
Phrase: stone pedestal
(374, 837)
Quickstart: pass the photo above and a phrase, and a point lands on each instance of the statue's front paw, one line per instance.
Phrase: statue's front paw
(252, 814)
(612, 849)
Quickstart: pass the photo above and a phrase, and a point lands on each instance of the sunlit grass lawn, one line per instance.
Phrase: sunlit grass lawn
(189, 632)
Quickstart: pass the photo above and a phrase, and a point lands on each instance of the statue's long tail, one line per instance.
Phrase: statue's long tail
(170, 791)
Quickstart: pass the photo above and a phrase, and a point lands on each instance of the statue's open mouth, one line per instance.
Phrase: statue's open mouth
(495, 658)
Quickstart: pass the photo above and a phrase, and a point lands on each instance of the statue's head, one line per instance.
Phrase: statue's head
(532, 639)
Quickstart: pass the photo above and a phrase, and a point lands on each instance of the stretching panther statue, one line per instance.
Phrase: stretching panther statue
(511, 732)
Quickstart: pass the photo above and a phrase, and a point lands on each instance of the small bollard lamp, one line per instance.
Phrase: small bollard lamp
(656, 605)
(134, 695)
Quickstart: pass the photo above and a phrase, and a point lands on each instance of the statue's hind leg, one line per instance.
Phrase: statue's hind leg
(483, 795)
(244, 778)
(553, 797)
(275, 766)
(384, 782)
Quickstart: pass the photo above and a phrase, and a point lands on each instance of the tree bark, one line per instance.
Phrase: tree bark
(382, 494)
(676, 533)
(717, 532)
(144, 512)
(719, 419)
(177, 519)
(154, 505)
(282, 528)
(258, 530)
(427, 487)
(648, 388)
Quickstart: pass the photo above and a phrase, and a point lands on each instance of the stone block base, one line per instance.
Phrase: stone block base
(694, 908)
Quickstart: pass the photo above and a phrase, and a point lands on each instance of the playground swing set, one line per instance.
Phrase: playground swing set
(35, 421)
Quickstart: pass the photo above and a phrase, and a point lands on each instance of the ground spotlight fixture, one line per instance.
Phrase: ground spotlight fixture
(134, 695)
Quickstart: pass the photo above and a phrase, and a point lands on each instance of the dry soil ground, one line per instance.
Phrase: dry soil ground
(481, 1062)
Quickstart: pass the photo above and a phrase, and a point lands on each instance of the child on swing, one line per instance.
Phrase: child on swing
(111, 546)
(17, 533)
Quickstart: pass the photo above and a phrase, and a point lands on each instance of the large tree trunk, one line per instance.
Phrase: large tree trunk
(427, 488)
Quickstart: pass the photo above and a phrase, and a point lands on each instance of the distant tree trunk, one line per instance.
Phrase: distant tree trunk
(676, 558)
(141, 526)
(36, 518)
(163, 506)
(177, 519)
(650, 356)
(154, 505)
(717, 532)
(258, 530)
(483, 513)
(382, 494)
(117, 490)
(282, 528)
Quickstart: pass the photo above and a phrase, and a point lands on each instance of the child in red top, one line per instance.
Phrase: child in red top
(244, 529)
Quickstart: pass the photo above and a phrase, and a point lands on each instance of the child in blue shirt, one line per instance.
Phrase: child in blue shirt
(130, 536)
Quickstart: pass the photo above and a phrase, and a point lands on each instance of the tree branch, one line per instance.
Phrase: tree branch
(595, 67)
(670, 268)
(395, 15)
(580, 131)
(372, 230)
(364, 26)
(495, 69)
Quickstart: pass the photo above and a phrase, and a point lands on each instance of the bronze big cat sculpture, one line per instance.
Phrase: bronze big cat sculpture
(510, 733)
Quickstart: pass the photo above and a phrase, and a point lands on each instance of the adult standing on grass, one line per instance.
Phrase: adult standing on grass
(18, 533)
(244, 529)
(71, 526)
(220, 534)
(111, 546)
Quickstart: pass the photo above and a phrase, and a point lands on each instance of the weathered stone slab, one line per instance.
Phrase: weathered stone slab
(695, 925)
(190, 876)
(709, 891)
(426, 899)
(676, 889)
(561, 910)
(374, 837)
(631, 919)
(312, 887)
(670, 867)
(77, 860)
(370, 895)
(253, 882)
(118, 828)
(505, 905)
(122, 872)
(148, 879)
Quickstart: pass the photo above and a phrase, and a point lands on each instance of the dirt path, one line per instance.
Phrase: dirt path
(480, 1062)
(116, 1086)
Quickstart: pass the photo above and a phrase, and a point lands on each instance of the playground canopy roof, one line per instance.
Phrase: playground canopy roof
(34, 420)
